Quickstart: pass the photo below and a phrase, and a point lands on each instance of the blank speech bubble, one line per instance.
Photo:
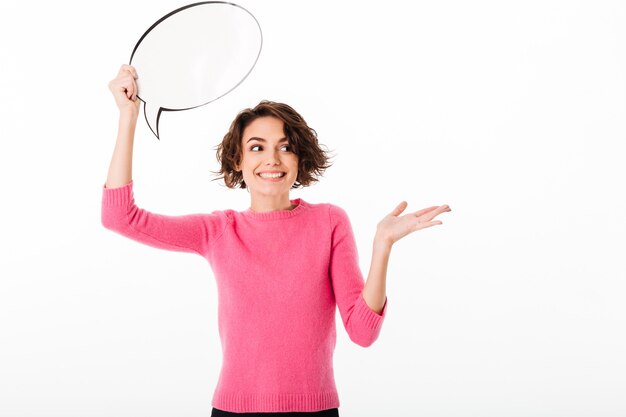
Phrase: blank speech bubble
(193, 56)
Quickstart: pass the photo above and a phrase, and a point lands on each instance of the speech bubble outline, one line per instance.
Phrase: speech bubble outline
(153, 116)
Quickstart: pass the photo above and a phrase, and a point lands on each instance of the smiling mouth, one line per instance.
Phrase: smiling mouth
(272, 175)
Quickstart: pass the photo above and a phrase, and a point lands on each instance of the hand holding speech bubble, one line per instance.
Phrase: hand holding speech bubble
(193, 56)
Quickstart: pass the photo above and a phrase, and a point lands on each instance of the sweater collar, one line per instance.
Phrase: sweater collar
(277, 214)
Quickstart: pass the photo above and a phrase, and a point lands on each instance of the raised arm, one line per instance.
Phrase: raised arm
(189, 233)
(124, 89)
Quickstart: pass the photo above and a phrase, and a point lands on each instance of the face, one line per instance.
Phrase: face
(268, 165)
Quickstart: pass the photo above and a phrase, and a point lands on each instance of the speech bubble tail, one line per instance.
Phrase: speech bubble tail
(152, 115)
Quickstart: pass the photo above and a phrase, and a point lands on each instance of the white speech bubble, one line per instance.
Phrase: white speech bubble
(193, 56)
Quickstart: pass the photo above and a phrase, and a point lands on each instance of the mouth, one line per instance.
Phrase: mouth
(271, 176)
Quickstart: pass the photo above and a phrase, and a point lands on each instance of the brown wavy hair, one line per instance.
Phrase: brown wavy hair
(312, 159)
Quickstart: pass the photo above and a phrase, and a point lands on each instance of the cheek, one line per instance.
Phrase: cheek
(247, 162)
(293, 162)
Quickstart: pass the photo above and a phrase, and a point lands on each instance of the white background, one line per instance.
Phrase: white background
(513, 113)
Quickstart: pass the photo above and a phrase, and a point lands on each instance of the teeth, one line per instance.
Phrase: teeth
(268, 175)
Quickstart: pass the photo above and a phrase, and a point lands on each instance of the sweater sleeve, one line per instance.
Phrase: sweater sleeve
(362, 323)
(189, 233)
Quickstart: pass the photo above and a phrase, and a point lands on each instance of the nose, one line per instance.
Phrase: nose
(272, 158)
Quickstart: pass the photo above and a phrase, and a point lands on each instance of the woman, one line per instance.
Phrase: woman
(282, 266)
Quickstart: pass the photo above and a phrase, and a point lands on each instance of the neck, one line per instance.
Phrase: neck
(263, 204)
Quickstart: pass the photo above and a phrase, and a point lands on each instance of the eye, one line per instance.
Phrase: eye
(286, 148)
(255, 146)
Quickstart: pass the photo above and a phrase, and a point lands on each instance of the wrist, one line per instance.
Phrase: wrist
(129, 116)
(382, 242)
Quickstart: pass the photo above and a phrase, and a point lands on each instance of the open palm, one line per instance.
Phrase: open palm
(394, 227)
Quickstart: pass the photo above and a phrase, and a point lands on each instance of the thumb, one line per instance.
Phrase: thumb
(399, 208)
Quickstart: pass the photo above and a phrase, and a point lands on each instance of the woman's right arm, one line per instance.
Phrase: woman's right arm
(124, 89)
(188, 233)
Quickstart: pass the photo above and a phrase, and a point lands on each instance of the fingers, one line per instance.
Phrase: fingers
(131, 91)
(424, 211)
(425, 216)
(399, 208)
(433, 211)
(128, 68)
(429, 212)
(424, 225)
(125, 83)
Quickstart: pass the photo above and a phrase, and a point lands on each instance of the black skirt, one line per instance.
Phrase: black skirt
(333, 412)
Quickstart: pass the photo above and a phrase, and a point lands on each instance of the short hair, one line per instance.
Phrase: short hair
(312, 159)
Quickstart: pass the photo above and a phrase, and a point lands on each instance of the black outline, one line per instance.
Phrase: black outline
(203, 104)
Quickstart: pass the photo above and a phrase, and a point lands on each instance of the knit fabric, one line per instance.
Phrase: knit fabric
(280, 276)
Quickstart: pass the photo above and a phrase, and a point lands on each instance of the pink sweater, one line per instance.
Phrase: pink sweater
(279, 277)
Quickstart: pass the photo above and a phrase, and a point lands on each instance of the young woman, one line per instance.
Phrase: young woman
(282, 266)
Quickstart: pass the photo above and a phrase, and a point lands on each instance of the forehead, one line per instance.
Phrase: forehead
(267, 127)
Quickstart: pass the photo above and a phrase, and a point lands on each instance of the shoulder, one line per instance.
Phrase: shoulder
(228, 214)
(217, 219)
(334, 213)
(226, 217)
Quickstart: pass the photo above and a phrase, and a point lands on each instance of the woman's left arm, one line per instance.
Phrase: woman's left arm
(389, 230)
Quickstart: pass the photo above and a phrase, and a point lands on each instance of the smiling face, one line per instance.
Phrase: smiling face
(268, 165)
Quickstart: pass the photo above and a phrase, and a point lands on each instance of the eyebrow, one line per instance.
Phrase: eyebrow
(263, 140)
